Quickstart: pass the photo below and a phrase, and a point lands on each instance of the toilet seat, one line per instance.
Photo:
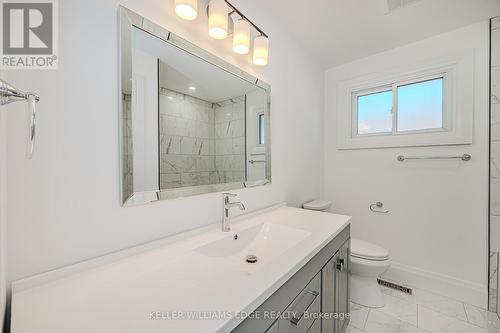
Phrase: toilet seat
(368, 251)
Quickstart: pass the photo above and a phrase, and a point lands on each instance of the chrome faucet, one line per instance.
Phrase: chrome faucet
(226, 205)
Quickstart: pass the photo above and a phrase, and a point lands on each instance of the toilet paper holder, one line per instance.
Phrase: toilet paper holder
(375, 207)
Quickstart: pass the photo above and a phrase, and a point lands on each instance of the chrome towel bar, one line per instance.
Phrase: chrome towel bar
(464, 157)
(10, 94)
(256, 161)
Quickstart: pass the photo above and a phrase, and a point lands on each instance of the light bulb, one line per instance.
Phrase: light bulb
(218, 19)
(241, 36)
(260, 50)
(186, 9)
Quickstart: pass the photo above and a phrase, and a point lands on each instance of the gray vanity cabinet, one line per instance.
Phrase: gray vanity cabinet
(316, 327)
(335, 291)
(342, 288)
(274, 328)
(320, 286)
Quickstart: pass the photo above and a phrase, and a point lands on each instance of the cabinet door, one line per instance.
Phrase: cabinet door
(328, 286)
(342, 287)
(316, 327)
(335, 291)
(274, 328)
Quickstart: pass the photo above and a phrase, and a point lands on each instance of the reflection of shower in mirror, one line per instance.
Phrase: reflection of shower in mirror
(191, 123)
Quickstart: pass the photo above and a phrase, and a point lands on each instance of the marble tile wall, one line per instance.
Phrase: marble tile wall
(230, 140)
(187, 144)
(201, 143)
(127, 178)
(494, 166)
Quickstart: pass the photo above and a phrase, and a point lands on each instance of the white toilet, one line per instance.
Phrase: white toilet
(367, 262)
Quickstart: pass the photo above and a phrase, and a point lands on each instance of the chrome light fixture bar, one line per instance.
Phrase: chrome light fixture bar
(235, 10)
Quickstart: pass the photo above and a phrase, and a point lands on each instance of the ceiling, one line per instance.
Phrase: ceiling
(211, 84)
(188, 74)
(339, 31)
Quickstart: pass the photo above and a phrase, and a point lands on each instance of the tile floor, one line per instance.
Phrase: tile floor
(422, 312)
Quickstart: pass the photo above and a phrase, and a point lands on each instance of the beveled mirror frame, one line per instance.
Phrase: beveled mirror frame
(127, 21)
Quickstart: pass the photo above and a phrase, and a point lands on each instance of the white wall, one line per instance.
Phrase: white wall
(3, 201)
(3, 212)
(64, 204)
(437, 228)
(144, 118)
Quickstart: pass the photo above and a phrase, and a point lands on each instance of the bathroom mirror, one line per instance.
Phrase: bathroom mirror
(190, 122)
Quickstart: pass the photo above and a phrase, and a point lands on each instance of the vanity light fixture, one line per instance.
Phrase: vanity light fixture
(186, 9)
(241, 36)
(218, 19)
(260, 50)
(225, 19)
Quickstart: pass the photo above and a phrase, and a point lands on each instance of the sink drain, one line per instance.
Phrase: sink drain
(251, 258)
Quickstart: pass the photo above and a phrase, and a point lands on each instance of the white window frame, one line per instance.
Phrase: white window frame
(458, 104)
(258, 129)
(446, 114)
(354, 106)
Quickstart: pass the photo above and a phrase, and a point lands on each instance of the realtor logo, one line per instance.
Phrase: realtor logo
(29, 38)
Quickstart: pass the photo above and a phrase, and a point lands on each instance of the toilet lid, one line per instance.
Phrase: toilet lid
(317, 205)
(365, 250)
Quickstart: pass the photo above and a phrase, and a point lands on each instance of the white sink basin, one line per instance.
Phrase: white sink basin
(266, 241)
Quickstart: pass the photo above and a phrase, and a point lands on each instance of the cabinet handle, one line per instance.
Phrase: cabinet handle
(340, 265)
(304, 303)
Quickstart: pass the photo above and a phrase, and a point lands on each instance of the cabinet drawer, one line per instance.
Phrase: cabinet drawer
(307, 302)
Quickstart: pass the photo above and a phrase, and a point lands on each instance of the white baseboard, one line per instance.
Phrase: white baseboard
(465, 291)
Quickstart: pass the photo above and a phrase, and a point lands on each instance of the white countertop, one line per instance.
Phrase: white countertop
(173, 279)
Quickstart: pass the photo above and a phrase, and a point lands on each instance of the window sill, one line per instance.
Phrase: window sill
(441, 138)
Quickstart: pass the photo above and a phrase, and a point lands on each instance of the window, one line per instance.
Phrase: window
(420, 105)
(261, 129)
(375, 113)
(400, 107)
(428, 102)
